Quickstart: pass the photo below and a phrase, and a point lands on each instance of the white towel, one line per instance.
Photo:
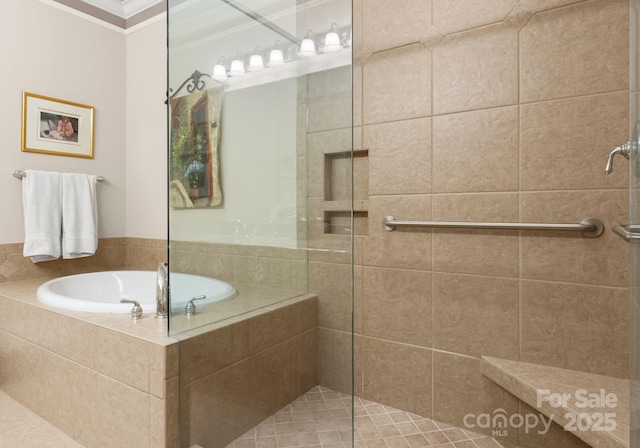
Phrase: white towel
(42, 200)
(79, 215)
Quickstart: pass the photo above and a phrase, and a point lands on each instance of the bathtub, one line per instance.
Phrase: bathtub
(100, 292)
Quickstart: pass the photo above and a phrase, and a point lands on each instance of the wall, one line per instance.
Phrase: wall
(257, 155)
(47, 51)
(123, 77)
(473, 111)
(146, 144)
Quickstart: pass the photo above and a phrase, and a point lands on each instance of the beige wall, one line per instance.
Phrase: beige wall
(49, 51)
(482, 111)
(146, 155)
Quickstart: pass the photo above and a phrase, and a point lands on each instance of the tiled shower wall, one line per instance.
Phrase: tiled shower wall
(498, 110)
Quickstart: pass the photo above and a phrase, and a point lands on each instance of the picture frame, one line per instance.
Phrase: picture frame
(55, 126)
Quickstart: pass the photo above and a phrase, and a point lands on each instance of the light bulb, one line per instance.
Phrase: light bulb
(256, 63)
(219, 73)
(332, 40)
(237, 68)
(276, 57)
(308, 46)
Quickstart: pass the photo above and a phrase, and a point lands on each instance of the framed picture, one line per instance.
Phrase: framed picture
(53, 126)
(195, 139)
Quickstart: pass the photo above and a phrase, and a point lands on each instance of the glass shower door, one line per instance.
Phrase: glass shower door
(634, 220)
(260, 202)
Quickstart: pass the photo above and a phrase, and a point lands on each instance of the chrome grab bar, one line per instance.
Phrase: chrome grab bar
(589, 227)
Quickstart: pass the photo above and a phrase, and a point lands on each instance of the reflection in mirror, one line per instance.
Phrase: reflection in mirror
(247, 194)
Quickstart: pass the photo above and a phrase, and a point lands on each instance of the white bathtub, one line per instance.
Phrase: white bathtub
(100, 292)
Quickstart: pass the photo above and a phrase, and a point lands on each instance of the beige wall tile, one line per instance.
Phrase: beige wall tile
(556, 436)
(123, 415)
(565, 143)
(397, 84)
(9, 311)
(451, 16)
(330, 100)
(357, 92)
(172, 412)
(360, 177)
(320, 144)
(476, 151)
(308, 361)
(459, 388)
(41, 327)
(224, 397)
(207, 353)
(541, 5)
(78, 412)
(576, 327)
(115, 350)
(397, 305)
(335, 357)
(404, 23)
(76, 340)
(397, 375)
(558, 256)
(402, 248)
(43, 381)
(308, 311)
(269, 329)
(332, 284)
(358, 360)
(12, 359)
(274, 379)
(358, 298)
(475, 315)
(480, 252)
(399, 157)
(555, 43)
(17, 267)
(475, 70)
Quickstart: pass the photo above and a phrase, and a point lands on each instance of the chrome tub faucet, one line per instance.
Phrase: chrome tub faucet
(162, 291)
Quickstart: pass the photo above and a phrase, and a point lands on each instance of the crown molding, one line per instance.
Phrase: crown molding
(123, 8)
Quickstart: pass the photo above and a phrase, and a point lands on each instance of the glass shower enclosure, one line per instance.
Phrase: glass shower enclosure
(260, 188)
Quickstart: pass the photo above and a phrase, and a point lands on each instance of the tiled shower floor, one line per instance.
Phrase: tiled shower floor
(321, 419)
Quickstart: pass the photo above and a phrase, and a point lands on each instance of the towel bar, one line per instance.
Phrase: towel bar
(589, 227)
(19, 174)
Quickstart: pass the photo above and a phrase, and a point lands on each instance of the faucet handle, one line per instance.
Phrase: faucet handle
(190, 309)
(623, 150)
(136, 311)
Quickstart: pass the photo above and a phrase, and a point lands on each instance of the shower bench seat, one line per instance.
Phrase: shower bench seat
(593, 407)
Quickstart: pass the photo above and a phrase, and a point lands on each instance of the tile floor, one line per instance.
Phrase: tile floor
(321, 419)
(19, 427)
